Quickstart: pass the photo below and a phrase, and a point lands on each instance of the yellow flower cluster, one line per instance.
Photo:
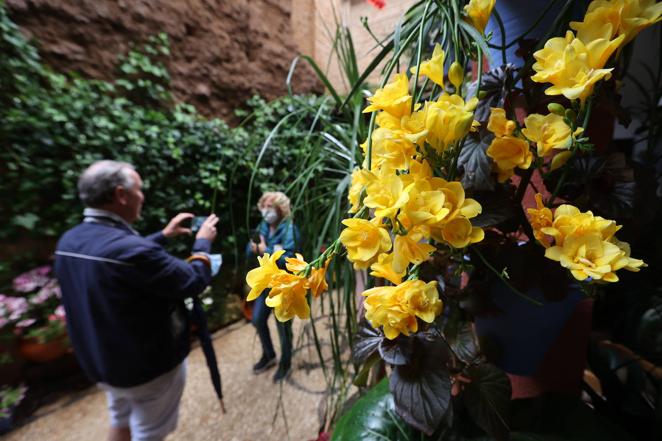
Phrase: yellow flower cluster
(410, 207)
(583, 243)
(506, 150)
(287, 290)
(609, 19)
(574, 64)
(396, 308)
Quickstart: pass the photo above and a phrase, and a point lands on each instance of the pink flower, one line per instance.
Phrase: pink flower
(60, 313)
(25, 323)
(33, 279)
(51, 289)
(12, 308)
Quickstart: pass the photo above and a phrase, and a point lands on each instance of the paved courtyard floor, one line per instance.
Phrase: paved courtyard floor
(257, 409)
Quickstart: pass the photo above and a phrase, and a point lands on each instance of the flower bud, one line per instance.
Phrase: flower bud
(556, 108)
(570, 114)
(456, 74)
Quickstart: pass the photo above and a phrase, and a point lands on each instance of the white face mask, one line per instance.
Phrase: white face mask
(270, 216)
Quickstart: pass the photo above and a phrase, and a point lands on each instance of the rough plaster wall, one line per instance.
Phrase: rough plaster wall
(223, 51)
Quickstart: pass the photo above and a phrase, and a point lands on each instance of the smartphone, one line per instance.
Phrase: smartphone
(256, 238)
(196, 222)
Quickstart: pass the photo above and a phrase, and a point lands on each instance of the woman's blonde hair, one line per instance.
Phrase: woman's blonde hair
(278, 199)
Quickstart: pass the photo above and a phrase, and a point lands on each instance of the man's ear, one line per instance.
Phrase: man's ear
(121, 196)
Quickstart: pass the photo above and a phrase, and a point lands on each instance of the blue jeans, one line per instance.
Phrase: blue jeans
(261, 314)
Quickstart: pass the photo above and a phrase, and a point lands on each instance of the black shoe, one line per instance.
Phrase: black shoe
(282, 373)
(264, 364)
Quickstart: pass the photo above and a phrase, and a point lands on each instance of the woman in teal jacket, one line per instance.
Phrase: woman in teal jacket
(276, 232)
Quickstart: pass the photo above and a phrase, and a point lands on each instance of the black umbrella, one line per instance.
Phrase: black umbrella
(200, 319)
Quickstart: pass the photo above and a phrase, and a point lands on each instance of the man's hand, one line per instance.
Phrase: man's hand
(174, 227)
(208, 228)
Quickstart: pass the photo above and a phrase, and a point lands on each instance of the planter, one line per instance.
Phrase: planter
(32, 350)
(247, 310)
(541, 348)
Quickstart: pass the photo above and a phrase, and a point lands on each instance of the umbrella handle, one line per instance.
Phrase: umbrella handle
(222, 406)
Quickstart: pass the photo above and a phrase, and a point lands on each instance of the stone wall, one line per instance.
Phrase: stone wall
(223, 51)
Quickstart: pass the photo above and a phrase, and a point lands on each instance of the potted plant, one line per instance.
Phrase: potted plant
(41, 325)
(474, 197)
(10, 398)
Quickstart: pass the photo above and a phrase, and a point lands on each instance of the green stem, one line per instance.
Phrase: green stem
(528, 31)
(502, 29)
(503, 279)
(587, 116)
(419, 51)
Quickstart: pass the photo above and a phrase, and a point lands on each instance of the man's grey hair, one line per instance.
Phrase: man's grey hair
(97, 184)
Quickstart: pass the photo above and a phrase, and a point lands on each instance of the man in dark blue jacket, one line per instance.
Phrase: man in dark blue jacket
(123, 295)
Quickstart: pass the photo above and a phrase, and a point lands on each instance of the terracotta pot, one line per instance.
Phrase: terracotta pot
(32, 350)
(247, 310)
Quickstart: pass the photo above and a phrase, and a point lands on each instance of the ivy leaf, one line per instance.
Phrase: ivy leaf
(422, 388)
(367, 342)
(27, 220)
(396, 352)
(487, 398)
(476, 165)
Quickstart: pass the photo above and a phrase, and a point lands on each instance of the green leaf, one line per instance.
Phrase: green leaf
(27, 220)
(476, 166)
(487, 398)
(373, 418)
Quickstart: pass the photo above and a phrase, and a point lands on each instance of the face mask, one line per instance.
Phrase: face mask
(270, 216)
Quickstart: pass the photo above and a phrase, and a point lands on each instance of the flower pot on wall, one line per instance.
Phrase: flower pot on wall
(32, 350)
(541, 348)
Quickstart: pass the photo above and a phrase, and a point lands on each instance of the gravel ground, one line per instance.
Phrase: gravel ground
(252, 402)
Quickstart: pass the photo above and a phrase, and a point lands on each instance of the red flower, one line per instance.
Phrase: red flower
(379, 4)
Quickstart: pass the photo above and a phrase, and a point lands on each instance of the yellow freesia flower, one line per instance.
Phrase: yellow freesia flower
(582, 242)
(569, 219)
(560, 159)
(295, 264)
(422, 299)
(626, 262)
(386, 195)
(448, 120)
(394, 98)
(587, 255)
(410, 249)
(456, 75)
(548, 132)
(572, 66)
(288, 296)
(540, 217)
(317, 280)
(611, 18)
(391, 150)
(434, 67)
(455, 229)
(478, 13)
(259, 278)
(384, 268)
(385, 308)
(396, 308)
(499, 124)
(360, 178)
(509, 152)
(426, 206)
(364, 241)
(458, 232)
